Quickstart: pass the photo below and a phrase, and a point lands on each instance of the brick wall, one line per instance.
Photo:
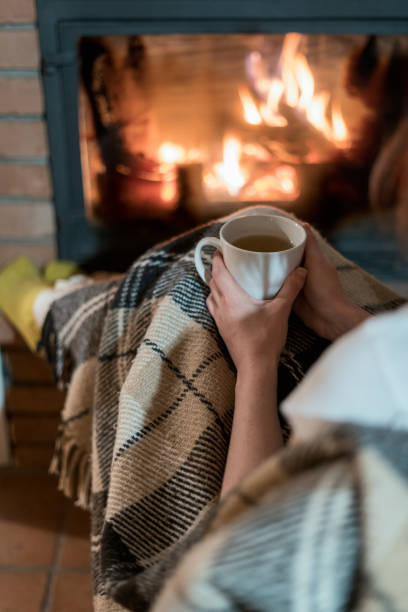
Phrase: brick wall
(26, 212)
(33, 405)
(26, 225)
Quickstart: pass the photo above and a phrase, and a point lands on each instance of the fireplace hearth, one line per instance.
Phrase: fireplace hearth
(163, 115)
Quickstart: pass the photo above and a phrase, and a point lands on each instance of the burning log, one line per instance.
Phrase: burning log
(115, 77)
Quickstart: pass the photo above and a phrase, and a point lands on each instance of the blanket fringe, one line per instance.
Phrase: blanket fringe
(54, 350)
(72, 466)
(70, 462)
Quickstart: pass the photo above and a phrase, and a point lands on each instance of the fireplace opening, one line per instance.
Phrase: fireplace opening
(163, 115)
(196, 126)
(178, 129)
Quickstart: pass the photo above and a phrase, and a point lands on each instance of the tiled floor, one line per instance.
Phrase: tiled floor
(44, 547)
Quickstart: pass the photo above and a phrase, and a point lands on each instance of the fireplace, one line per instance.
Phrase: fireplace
(210, 122)
(164, 115)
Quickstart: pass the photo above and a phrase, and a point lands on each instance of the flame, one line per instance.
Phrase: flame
(289, 52)
(269, 111)
(266, 102)
(340, 132)
(170, 153)
(296, 88)
(256, 151)
(316, 112)
(305, 80)
(169, 192)
(250, 109)
(278, 184)
(288, 180)
(229, 170)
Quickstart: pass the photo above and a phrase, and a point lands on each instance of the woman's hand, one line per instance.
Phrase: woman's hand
(254, 330)
(323, 305)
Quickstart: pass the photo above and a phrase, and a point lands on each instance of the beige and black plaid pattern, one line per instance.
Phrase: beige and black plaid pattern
(321, 527)
(149, 409)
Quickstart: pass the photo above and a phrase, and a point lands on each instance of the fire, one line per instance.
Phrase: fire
(257, 152)
(287, 60)
(251, 112)
(229, 170)
(249, 170)
(169, 192)
(287, 177)
(305, 79)
(340, 133)
(297, 89)
(316, 112)
(170, 153)
(269, 102)
(280, 183)
(269, 111)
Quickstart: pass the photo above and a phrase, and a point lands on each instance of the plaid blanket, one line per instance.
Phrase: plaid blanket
(145, 429)
(322, 526)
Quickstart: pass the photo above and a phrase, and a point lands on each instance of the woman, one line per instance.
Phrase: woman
(255, 333)
(322, 524)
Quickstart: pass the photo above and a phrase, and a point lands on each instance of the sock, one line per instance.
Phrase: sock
(46, 297)
(60, 270)
(20, 283)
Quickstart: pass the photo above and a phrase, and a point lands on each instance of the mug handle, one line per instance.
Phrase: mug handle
(215, 242)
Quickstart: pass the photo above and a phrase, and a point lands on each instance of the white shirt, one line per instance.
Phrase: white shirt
(362, 378)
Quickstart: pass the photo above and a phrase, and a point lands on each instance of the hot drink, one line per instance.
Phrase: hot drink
(263, 243)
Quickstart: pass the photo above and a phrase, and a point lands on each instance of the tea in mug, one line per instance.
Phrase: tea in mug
(263, 243)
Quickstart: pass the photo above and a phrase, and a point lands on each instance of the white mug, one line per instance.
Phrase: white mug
(259, 274)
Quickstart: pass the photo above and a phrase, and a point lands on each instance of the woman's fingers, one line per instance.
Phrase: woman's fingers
(223, 279)
(215, 290)
(293, 285)
(211, 304)
(313, 254)
(222, 284)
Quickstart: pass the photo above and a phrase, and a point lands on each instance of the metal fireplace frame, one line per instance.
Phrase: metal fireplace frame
(62, 22)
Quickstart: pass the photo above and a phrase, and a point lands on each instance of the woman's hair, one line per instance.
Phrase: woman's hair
(373, 174)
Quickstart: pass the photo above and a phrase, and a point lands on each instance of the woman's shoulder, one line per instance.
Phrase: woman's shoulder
(362, 378)
(394, 321)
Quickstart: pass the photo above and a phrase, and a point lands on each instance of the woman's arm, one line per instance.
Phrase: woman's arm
(255, 333)
(256, 432)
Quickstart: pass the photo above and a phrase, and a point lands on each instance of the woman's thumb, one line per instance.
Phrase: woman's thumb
(293, 285)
